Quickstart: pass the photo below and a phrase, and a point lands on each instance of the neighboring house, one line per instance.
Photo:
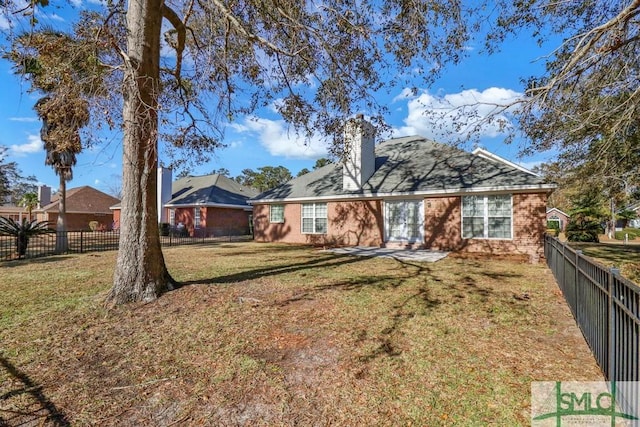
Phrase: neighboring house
(209, 205)
(17, 213)
(83, 205)
(556, 215)
(635, 223)
(14, 212)
(409, 192)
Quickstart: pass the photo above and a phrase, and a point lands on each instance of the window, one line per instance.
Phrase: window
(486, 217)
(314, 218)
(276, 213)
(172, 217)
(196, 217)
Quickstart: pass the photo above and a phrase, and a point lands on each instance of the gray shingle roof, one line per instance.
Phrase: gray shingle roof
(413, 165)
(212, 189)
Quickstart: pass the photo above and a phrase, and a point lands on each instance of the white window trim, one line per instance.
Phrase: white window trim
(486, 218)
(271, 220)
(421, 224)
(172, 217)
(554, 218)
(302, 217)
(196, 217)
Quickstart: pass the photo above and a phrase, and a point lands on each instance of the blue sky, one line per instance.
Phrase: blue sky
(263, 140)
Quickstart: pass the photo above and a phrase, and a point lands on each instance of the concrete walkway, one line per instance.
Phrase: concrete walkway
(421, 255)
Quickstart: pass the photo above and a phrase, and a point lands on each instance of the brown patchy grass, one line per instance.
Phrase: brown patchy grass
(283, 335)
(613, 253)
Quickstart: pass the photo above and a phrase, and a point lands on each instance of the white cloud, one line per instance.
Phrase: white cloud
(281, 141)
(97, 182)
(33, 145)
(531, 165)
(405, 94)
(456, 115)
(56, 17)
(76, 3)
(23, 119)
(5, 25)
(238, 127)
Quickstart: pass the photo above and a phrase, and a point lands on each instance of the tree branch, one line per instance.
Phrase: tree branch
(181, 30)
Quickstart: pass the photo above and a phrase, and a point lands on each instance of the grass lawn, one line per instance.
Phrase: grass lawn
(612, 253)
(283, 335)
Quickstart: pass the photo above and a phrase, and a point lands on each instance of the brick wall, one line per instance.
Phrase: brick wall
(226, 221)
(362, 223)
(443, 222)
(348, 223)
(563, 218)
(288, 231)
(77, 221)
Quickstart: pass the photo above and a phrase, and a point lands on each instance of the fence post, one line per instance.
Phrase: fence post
(611, 327)
(564, 264)
(81, 241)
(577, 273)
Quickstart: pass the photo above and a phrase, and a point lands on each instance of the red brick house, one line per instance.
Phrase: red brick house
(556, 215)
(208, 205)
(409, 192)
(83, 205)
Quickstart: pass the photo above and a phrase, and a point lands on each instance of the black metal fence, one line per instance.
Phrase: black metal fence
(606, 306)
(96, 241)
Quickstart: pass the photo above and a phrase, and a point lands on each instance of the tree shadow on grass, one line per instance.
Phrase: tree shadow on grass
(324, 261)
(401, 312)
(39, 260)
(40, 409)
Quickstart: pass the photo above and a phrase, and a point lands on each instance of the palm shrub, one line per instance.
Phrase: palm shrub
(22, 231)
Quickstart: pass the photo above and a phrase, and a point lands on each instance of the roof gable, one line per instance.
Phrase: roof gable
(212, 189)
(413, 165)
(556, 210)
(84, 199)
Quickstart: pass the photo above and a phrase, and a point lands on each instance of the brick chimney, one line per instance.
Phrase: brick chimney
(359, 159)
(164, 192)
(44, 196)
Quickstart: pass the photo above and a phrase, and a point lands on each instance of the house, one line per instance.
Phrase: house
(409, 192)
(634, 223)
(16, 213)
(208, 205)
(83, 205)
(556, 215)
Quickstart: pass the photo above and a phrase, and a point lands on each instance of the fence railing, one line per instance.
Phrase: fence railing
(96, 241)
(606, 306)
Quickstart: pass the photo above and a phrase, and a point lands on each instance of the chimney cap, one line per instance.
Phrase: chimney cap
(360, 116)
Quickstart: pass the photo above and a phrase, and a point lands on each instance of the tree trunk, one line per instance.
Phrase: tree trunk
(140, 274)
(62, 243)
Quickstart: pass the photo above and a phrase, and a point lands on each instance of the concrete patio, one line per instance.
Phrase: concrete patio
(421, 255)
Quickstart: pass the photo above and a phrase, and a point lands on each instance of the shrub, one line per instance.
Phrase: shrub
(633, 233)
(553, 224)
(22, 231)
(164, 228)
(582, 228)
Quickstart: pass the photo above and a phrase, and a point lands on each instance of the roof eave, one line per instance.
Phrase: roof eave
(206, 205)
(538, 188)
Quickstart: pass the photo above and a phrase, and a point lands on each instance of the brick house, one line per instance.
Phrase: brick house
(208, 205)
(409, 192)
(556, 215)
(83, 205)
